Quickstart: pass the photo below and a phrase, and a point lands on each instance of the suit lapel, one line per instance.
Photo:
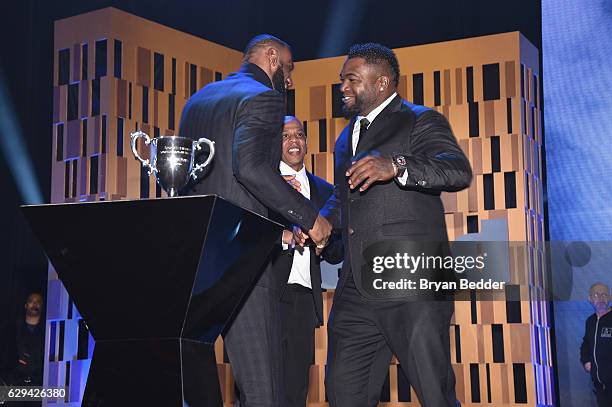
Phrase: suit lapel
(315, 196)
(343, 150)
(315, 270)
(380, 123)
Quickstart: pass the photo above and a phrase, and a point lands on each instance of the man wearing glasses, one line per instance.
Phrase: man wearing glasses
(596, 349)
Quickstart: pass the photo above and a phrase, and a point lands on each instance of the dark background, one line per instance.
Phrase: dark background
(314, 28)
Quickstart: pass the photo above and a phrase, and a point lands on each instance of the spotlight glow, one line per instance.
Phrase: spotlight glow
(14, 151)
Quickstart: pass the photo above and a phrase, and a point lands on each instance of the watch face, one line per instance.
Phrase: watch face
(400, 160)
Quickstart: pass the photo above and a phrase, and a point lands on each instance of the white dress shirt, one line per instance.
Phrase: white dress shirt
(300, 269)
(371, 116)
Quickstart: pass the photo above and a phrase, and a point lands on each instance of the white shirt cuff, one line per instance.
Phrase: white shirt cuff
(403, 179)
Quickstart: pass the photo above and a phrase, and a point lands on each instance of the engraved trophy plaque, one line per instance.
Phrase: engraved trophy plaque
(172, 159)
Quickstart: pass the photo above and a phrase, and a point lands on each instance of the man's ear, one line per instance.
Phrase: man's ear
(383, 82)
(273, 57)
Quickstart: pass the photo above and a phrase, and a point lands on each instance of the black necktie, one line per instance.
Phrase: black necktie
(363, 129)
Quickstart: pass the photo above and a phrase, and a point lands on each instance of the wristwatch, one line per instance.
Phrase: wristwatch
(399, 161)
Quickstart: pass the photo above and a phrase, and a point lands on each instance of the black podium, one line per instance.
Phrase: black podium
(156, 281)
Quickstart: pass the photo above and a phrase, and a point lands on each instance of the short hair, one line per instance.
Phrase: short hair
(377, 54)
(260, 41)
(290, 118)
(34, 293)
(599, 284)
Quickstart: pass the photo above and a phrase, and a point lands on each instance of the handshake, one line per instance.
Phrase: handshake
(318, 235)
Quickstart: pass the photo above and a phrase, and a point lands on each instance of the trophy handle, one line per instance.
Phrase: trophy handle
(197, 146)
(135, 136)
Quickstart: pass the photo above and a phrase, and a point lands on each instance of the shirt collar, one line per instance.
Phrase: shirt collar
(258, 74)
(287, 170)
(372, 115)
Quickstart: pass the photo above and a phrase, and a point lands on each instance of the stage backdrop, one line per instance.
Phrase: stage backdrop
(115, 73)
(578, 87)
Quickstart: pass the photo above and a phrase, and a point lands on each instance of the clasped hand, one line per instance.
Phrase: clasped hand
(321, 229)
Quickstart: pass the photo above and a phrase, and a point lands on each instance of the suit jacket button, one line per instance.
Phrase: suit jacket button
(351, 231)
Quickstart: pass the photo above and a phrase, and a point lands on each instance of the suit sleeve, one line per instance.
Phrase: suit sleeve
(334, 251)
(585, 348)
(331, 210)
(258, 122)
(436, 162)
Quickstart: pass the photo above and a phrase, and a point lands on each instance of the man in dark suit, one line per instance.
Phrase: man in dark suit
(243, 114)
(301, 302)
(391, 163)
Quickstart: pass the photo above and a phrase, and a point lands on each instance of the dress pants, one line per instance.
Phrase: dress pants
(298, 320)
(363, 336)
(252, 343)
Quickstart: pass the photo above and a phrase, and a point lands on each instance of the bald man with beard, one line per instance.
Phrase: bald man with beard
(596, 349)
(243, 115)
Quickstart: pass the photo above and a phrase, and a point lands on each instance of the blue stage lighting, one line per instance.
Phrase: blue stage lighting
(14, 150)
(341, 26)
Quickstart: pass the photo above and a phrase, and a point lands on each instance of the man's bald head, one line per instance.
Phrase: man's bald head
(33, 305)
(599, 288)
(261, 43)
(599, 297)
(274, 57)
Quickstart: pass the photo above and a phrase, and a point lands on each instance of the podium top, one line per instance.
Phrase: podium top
(170, 267)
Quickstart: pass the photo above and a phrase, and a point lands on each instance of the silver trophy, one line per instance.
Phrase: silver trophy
(172, 159)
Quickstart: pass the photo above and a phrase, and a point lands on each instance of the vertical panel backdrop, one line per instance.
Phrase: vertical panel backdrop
(115, 73)
(578, 90)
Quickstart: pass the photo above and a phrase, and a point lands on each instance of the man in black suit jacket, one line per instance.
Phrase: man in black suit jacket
(301, 302)
(243, 114)
(391, 163)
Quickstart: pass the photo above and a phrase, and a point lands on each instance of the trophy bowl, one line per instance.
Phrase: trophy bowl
(172, 159)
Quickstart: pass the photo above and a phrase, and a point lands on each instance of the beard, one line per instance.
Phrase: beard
(362, 101)
(33, 312)
(352, 111)
(278, 81)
